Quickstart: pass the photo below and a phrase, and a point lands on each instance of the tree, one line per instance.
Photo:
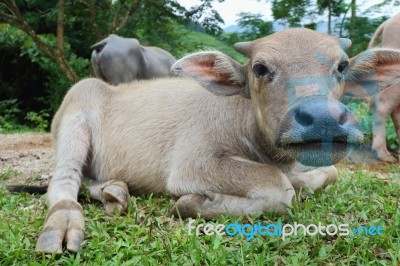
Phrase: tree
(334, 7)
(253, 26)
(92, 20)
(290, 11)
(299, 13)
(353, 18)
(50, 40)
(14, 18)
(207, 17)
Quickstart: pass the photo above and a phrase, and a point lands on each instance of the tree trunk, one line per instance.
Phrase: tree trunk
(15, 19)
(60, 56)
(352, 22)
(343, 20)
(60, 28)
(329, 18)
(93, 20)
(353, 9)
(353, 16)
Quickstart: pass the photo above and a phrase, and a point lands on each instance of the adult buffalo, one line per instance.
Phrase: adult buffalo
(119, 60)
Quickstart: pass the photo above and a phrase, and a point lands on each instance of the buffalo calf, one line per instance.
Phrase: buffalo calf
(388, 102)
(224, 137)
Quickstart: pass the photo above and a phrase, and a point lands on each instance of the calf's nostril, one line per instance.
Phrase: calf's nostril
(303, 118)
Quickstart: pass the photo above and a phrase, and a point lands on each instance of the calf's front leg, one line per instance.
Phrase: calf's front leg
(310, 177)
(64, 221)
(114, 194)
(385, 105)
(234, 186)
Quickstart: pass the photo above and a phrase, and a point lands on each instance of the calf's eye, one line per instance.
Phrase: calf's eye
(260, 70)
(342, 66)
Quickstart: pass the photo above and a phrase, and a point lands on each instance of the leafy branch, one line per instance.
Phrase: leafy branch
(12, 15)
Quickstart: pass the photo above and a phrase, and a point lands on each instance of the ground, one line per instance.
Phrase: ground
(29, 156)
(365, 195)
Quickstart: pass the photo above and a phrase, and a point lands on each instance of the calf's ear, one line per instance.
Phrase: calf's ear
(371, 67)
(215, 71)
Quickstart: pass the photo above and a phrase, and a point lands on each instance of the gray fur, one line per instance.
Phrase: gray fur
(119, 60)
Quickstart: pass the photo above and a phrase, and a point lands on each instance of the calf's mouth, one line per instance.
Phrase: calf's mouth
(319, 152)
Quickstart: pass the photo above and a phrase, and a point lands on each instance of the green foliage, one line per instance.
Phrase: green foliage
(360, 31)
(41, 15)
(39, 121)
(9, 116)
(336, 6)
(195, 41)
(252, 27)
(311, 26)
(290, 11)
(54, 84)
(39, 83)
(362, 112)
(391, 135)
(8, 173)
(207, 17)
(57, 83)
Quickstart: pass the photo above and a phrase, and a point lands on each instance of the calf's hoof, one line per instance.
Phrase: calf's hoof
(385, 156)
(116, 196)
(188, 206)
(64, 224)
(332, 175)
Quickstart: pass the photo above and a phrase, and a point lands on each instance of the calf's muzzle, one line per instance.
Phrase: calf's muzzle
(318, 131)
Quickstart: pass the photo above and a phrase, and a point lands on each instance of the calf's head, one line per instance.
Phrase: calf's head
(114, 59)
(294, 80)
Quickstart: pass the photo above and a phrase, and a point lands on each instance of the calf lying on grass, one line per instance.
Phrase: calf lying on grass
(218, 154)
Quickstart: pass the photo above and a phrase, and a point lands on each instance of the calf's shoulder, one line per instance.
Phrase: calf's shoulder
(87, 96)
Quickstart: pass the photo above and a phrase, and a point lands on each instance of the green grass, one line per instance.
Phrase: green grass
(204, 41)
(7, 173)
(147, 236)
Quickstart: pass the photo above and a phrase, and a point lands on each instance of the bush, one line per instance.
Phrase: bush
(12, 118)
(39, 120)
(9, 116)
(38, 86)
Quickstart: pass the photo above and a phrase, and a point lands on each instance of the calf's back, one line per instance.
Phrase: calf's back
(145, 128)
